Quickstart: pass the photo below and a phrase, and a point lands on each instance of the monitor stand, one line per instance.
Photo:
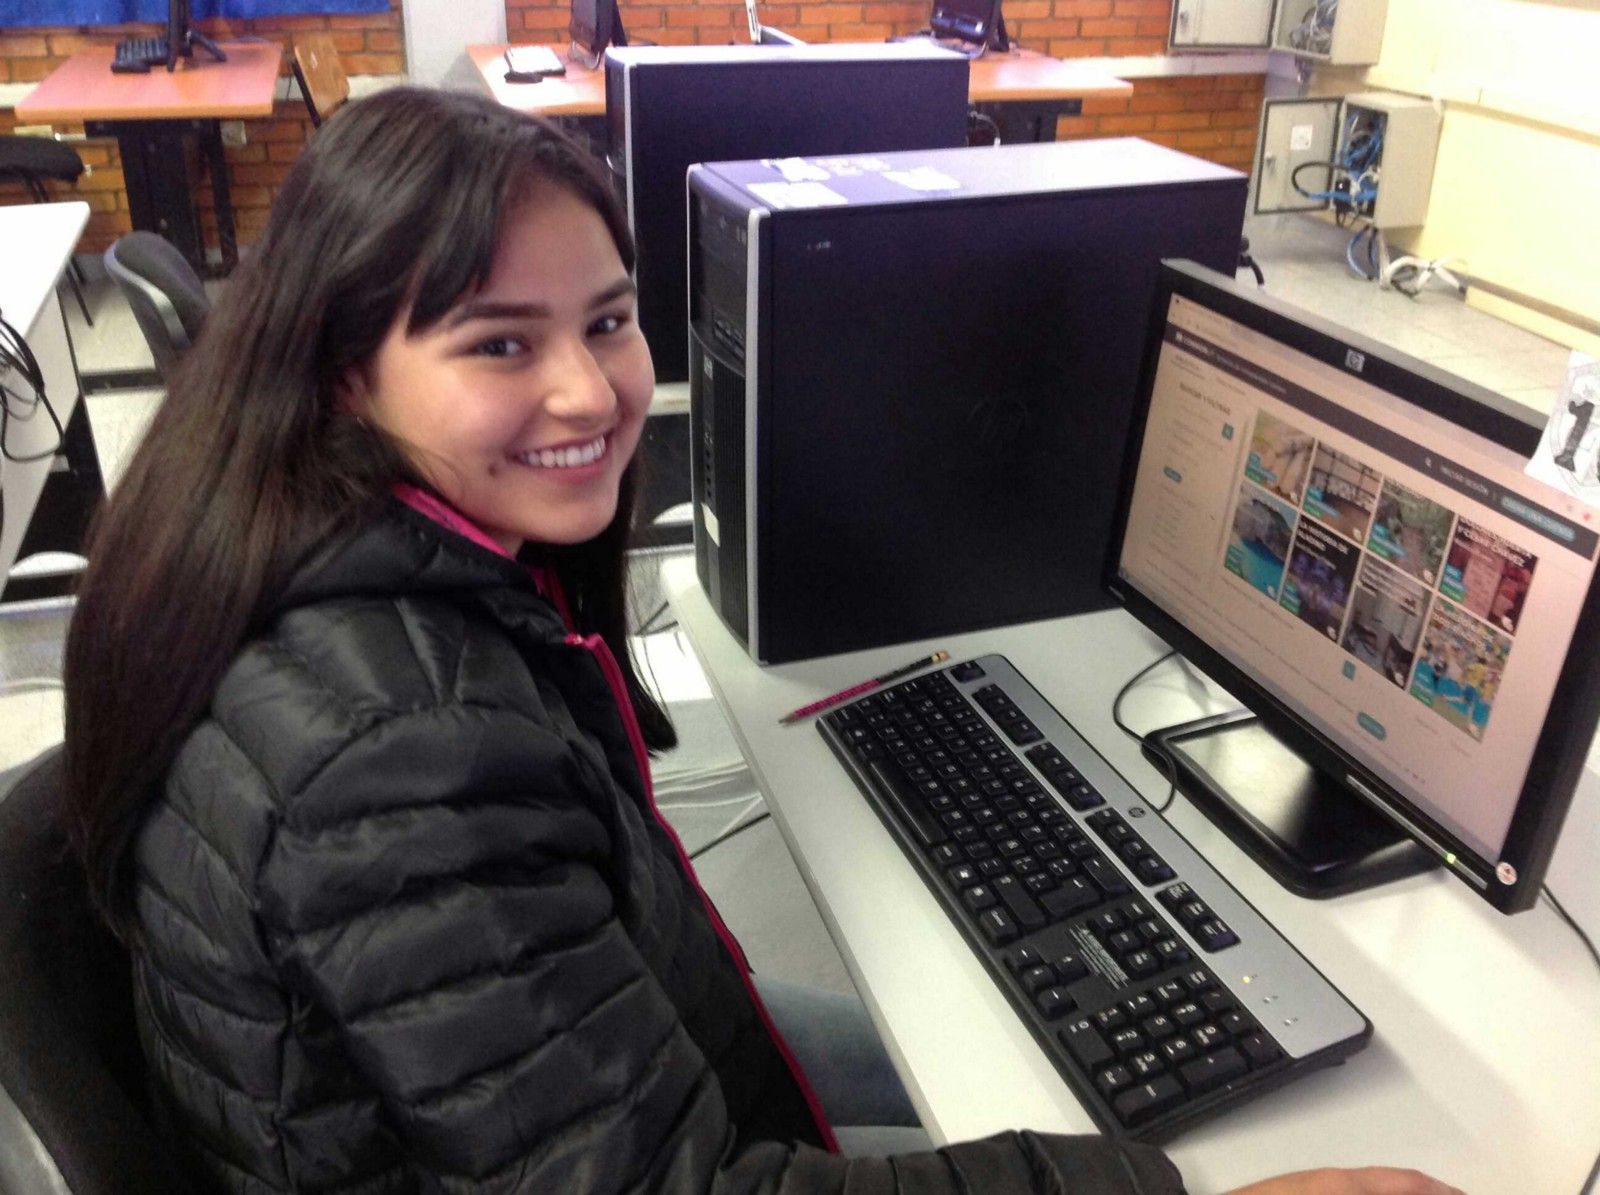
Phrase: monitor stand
(1311, 833)
(193, 39)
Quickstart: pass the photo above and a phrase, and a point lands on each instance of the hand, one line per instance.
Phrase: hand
(1369, 1180)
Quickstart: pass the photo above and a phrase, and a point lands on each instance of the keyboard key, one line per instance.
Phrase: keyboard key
(997, 926)
(1070, 967)
(1147, 1100)
(1035, 979)
(1140, 964)
(906, 804)
(1054, 1002)
(1084, 1043)
(1178, 1050)
(1188, 1014)
(1075, 895)
(971, 670)
(1236, 1024)
(1029, 916)
(1207, 1038)
(1106, 876)
(1214, 936)
(1023, 957)
(1172, 992)
(1109, 1019)
(1146, 1065)
(1113, 1079)
(1213, 1070)
(1139, 1007)
(1126, 1041)
(979, 897)
(1258, 1050)
(1159, 1027)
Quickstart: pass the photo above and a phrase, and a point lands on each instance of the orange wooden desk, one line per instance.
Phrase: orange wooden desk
(1022, 91)
(155, 117)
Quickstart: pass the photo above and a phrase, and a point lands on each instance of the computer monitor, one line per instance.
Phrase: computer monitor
(668, 107)
(595, 24)
(766, 35)
(975, 22)
(183, 37)
(1345, 539)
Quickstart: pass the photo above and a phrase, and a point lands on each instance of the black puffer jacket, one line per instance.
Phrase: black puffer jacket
(410, 923)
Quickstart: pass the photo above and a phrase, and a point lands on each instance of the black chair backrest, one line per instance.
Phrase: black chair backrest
(70, 1060)
(168, 299)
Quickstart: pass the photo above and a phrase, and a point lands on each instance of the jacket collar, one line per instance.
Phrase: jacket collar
(401, 551)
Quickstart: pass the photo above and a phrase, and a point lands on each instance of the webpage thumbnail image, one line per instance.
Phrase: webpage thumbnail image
(1459, 673)
(1280, 457)
(1411, 532)
(1488, 575)
(1322, 569)
(1258, 544)
(1342, 492)
(1386, 616)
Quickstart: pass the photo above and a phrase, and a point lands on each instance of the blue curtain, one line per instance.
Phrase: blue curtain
(27, 13)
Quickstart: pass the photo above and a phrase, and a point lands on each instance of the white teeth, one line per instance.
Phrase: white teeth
(566, 458)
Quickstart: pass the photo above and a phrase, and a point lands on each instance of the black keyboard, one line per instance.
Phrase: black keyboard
(1158, 992)
(136, 55)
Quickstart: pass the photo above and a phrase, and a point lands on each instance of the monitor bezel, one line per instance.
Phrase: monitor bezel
(1563, 742)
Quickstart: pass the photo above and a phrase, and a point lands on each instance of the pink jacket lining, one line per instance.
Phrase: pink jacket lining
(550, 586)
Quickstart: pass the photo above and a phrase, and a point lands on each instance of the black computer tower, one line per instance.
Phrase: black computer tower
(668, 107)
(910, 382)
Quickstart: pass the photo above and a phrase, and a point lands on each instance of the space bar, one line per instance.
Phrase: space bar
(929, 832)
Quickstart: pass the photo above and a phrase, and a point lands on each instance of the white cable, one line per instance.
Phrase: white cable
(741, 799)
(29, 684)
(738, 817)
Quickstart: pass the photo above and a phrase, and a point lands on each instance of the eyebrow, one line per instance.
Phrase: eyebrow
(488, 309)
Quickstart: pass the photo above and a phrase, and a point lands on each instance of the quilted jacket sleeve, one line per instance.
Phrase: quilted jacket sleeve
(436, 897)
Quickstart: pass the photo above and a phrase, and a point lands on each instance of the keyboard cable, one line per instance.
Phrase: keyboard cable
(1116, 717)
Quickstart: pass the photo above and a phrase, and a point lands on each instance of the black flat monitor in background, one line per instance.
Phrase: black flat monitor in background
(668, 107)
(183, 37)
(595, 25)
(1346, 540)
(975, 23)
(766, 35)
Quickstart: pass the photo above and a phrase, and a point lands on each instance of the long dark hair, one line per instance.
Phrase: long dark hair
(250, 464)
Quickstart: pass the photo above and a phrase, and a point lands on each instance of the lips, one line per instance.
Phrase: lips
(573, 456)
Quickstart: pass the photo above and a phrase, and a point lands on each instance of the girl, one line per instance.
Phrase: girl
(356, 759)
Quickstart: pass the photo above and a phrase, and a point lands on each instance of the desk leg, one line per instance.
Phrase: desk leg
(1029, 120)
(156, 158)
(217, 165)
(155, 169)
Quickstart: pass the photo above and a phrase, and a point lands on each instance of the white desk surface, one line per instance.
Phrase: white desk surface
(37, 239)
(1484, 1067)
(35, 242)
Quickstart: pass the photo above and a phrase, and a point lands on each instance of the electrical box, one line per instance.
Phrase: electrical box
(1338, 32)
(1370, 153)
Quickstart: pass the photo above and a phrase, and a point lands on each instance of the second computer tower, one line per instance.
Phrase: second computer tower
(911, 376)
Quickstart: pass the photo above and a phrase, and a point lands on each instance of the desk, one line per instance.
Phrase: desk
(155, 118)
(35, 242)
(1487, 1030)
(1023, 92)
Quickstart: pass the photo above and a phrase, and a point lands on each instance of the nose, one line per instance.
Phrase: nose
(577, 388)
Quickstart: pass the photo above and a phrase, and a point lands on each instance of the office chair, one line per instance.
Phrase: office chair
(168, 299)
(74, 1115)
(32, 160)
(323, 84)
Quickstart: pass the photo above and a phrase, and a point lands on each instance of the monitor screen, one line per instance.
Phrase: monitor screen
(594, 25)
(1347, 540)
(964, 20)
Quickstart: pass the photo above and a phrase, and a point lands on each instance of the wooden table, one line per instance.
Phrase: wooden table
(1021, 91)
(156, 118)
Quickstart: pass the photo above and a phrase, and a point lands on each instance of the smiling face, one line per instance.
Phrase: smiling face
(524, 404)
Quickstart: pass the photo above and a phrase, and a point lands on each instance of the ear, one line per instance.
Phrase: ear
(352, 393)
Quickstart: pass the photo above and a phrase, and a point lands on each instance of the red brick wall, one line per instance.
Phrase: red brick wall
(368, 44)
(1211, 116)
(1065, 28)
